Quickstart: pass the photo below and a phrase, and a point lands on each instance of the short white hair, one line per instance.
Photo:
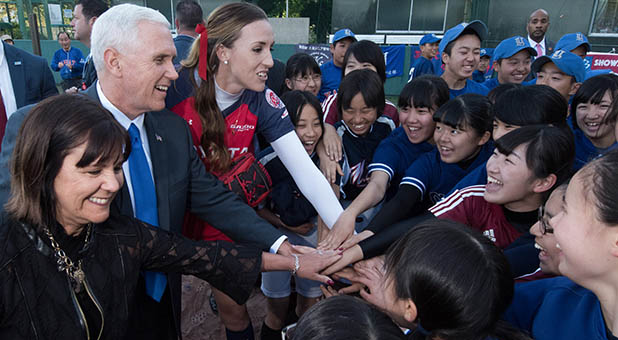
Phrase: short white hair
(118, 28)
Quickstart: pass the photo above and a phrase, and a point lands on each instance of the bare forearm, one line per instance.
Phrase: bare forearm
(274, 262)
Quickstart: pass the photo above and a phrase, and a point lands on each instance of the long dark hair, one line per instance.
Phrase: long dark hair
(224, 25)
(458, 279)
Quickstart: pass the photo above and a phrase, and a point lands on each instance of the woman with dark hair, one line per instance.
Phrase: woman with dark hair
(302, 73)
(70, 267)
(345, 317)
(582, 304)
(361, 129)
(363, 54)
(590, 105)
(442, 280)
(221, 92)
(289, 211)
(526, 166)
(517, 107)
(418, 101)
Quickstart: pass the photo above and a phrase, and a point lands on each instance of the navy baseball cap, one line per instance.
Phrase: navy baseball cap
(511, 46)
(569, 63)
(452, 34)
(342, 34)
(485, 53)
(428, 39)
(571, 41)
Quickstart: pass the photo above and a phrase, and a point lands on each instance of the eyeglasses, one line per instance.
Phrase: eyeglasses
(305, 79)
(544, 223)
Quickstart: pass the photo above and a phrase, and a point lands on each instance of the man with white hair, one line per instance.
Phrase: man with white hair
(132, 48)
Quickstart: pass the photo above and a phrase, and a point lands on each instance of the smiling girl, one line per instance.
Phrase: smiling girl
(544, 238)
(461, 136)
(221, 92)
(582, 304)
(302, 73)
(361, 129)
(517, 107)
(525, 166)
(363, 54)
(418, 101)
(593, 135)
(292, 213)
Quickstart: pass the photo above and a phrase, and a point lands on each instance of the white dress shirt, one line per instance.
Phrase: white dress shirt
(542, 43)
(126, 123)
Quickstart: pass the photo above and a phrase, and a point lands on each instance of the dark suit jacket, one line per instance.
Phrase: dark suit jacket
(182, 183)
(31, 77)
(90, 74)
(549, 46)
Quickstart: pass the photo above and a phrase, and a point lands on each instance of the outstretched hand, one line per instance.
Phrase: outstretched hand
(311, 264)
(341, 231)
(355, 239)
(350, 255)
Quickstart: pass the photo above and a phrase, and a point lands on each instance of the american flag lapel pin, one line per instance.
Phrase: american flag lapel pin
(158, 138)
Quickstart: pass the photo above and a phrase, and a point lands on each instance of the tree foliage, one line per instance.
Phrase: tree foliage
(318, 12)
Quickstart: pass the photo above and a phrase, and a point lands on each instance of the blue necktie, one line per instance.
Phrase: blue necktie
(145, 198)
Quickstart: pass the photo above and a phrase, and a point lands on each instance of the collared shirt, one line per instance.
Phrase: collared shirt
(6, 85)
(126, 123)
(534, 43)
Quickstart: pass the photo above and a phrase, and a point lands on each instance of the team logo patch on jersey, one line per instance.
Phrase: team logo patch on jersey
(273, 99)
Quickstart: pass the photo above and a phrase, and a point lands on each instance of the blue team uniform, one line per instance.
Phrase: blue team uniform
(422, 66)
(395, 154)
(358, 152)
(331, 78)
(479, 77)
(477, 176)
(434, 178)
(557, 308)
(491, 84)
(471, 87)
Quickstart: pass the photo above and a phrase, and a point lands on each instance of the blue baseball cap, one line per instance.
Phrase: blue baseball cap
(594, 73)
(511, 46)
(485, 53)
(452, 34)
(571, 41)
(428, 39)
(342, 34)
(567, 62)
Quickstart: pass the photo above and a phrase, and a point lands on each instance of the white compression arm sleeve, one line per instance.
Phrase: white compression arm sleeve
(308, 177)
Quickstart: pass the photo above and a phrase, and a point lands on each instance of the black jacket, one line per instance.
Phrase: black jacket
(37, 301)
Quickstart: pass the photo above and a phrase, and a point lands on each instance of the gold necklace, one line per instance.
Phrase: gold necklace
(65, 264)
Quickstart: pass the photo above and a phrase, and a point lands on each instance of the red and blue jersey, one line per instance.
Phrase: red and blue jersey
(254, 112)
